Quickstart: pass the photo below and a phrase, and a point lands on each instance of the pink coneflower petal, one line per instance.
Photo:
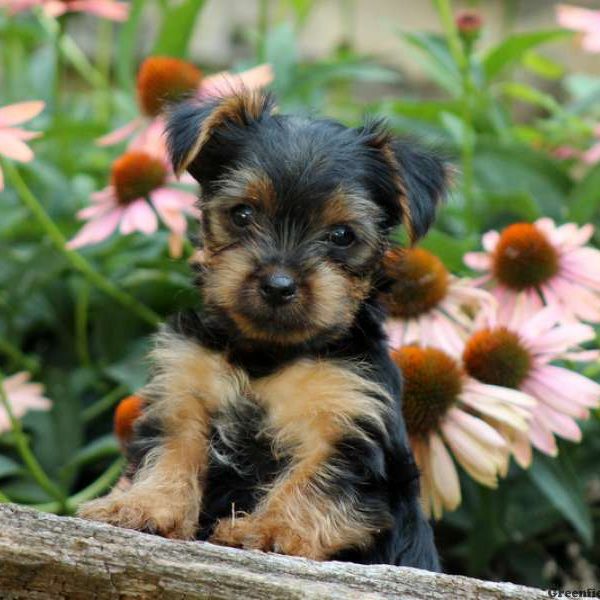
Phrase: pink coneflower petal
(579, 300)
(583, 264)
(444, 473)
(479, 462)
(14, 114)
(490, 240)
(121, 134)
(12, 147)
(558, 423)
(97, 230)
(479, 429)
(138, 216)
(22, 396)
(541, 437)
(395, 332)
(557, 399)
(106, 9)
(95, 210)
(577, 18)
(521, 449)
(559, 339)
(225, 83)
(171, 205)
(478, 261)
(582, 390)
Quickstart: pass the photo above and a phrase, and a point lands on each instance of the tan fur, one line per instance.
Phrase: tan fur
(310, 405)
(237, 109)
(191, 383)
(330, 300)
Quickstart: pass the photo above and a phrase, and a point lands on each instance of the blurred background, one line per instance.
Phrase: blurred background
(501, 86)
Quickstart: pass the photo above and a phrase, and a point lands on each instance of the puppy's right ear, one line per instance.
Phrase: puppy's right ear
(204, 138)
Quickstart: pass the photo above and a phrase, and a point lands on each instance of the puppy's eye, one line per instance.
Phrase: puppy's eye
(242, 215)
(342, 236)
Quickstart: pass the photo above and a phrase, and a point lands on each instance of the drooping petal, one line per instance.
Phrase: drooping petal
(444, 473)
(478, 261)
(121, 134)
(479, 461)
(225, 83)
(485, 433)
(14, 114)
(490, 240)
(580, 389)
(170, 204)
(97, 230)
(559, 339)
(138, 216)
(558, 423)
(13, 147)
(541, 437)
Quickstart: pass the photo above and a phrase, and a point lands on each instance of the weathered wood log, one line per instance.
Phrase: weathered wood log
(44, 556)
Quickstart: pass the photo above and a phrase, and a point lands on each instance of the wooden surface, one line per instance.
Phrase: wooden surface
(44, 556)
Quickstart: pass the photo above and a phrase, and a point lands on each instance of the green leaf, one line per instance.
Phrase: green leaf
(431, 110)
(434, 56)
(177, 28)
(519, 206)
(281, 52)
(512, 49)
(517, 169)
(530, 95)
(584, 200)
(543, 66)
(449, 249)
(557, 480)
(102, 447)
(9, 467)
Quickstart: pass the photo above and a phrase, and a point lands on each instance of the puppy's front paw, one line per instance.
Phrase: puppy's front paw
(144, 512)
(266, 533)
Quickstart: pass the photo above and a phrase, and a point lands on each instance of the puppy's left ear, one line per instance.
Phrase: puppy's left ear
(204, 138)
(416, 179)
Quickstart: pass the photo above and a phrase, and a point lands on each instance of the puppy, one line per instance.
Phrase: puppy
(273, 416)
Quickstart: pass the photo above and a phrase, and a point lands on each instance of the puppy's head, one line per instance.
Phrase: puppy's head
(296, 211)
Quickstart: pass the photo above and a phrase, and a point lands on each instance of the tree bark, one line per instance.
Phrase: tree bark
(44, 556)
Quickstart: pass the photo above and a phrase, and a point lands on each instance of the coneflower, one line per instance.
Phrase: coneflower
(445, 411)
(140, 188)
(426, 304)
(535, 264)
(517, 354)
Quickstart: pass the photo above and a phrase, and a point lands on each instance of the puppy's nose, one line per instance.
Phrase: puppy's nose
(278, 288)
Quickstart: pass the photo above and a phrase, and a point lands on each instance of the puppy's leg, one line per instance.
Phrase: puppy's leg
(189, 385)
(313, 509)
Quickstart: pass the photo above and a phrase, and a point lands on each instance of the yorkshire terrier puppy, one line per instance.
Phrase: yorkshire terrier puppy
(273, 416)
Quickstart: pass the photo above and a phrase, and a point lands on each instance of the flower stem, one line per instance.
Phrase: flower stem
(96, 488)
(106, 402)
(71, 51)
(22, 444)
(17, 357)
(104, 482)
(462, 60)
(76, 260)
(82, 302)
